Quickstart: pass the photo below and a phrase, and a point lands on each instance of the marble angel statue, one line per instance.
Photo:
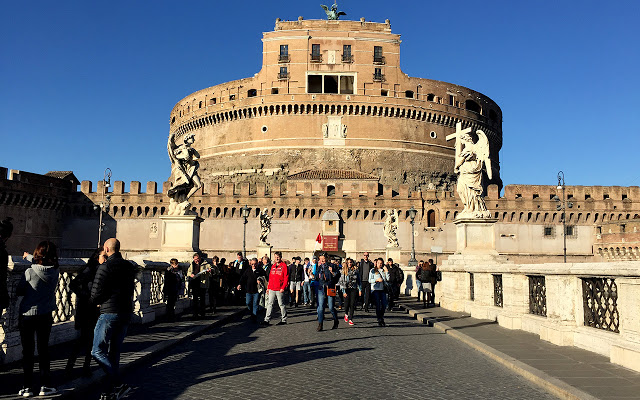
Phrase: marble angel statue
(265, 226)
(391, 228)
(471, 160)
(184, 170)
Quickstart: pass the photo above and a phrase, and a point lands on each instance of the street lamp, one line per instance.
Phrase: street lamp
(245, 214)
(412, 215)
(562, 205)
(106, 201)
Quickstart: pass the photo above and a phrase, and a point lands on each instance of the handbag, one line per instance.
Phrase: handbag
(331, 292)
(439, 276)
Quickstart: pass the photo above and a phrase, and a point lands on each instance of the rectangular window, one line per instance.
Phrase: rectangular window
(548, 232)
(331, 84)
(346, 53)
(284, 53)
(314, 83)
(377, 75)
(384, 92)
(451, 99)
(346, 84)
(315, 53)
(378, 58)
(283, 73)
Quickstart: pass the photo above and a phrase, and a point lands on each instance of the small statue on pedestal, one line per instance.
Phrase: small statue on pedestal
(265, 226)
(391, 228)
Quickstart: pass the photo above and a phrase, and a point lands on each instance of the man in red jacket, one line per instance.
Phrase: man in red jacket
(278, 282)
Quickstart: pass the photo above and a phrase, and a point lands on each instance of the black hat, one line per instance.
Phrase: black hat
(6, 227)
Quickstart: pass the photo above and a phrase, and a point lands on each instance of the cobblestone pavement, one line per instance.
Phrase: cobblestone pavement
(404, 360)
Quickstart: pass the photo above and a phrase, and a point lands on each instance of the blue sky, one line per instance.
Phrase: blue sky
(87, 85)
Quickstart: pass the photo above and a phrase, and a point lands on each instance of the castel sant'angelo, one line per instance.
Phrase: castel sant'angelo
(327, 138)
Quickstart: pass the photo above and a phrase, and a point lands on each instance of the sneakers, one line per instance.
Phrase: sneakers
(346, 319)
(351, 323)
(25, 392)
(121, 391)
(47, 391)
(264, 323)
(282, 323)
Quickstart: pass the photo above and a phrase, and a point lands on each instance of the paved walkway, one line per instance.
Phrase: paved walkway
(567, 371)
(431, 353)
(405, 360)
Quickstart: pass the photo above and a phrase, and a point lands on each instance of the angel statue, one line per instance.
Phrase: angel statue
(184, 169)
(265, 226)
(471, 159)
(391, 228)
(333, 13)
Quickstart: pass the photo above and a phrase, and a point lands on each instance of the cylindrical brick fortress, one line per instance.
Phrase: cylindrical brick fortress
(331, 95)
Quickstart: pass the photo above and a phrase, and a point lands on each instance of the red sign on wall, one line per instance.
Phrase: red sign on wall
(330, 243)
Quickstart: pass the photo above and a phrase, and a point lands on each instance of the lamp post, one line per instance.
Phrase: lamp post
(245, 214)
(412, 215)
(106, 201)
(562, 206)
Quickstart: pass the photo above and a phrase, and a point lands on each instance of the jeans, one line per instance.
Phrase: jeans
(40, 325)
(331, 300)
(380, 300)
(107, 342)
(306, 290)
(252, 302)
(366, 295)
(271, 297)
(199, 300)
(352, 296)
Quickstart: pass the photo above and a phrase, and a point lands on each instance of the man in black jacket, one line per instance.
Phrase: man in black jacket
(249, 280)
(112, 291)
(365, 266)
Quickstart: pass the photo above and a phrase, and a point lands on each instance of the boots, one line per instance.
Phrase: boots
(335, 323)
(319, 327)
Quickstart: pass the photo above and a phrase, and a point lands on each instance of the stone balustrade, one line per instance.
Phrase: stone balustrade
(147, 302)
(594, 306)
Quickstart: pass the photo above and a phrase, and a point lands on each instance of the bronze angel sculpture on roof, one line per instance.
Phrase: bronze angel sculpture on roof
(332, 13)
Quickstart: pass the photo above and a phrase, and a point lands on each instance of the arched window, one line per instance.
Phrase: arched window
(331, 190)
(431, 97)
(252, 93)
(472, 106)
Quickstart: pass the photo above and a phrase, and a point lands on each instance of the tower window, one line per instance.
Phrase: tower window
(284, 74)
(378, 58)
(315, 53)
(346, 53)
(284, 53)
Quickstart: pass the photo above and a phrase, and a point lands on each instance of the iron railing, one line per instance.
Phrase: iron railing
(379, 60)
(283, 58)
(283, 75)
(497, 291)
(378, 78)
(347, 58)
(600, 297)
(537, 295)
(316, 58)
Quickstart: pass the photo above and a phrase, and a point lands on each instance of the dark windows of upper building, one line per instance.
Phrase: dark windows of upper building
(284, 53)
(431, 97)
(408, 93)
(431, 218)
(212, 101)
(346, 53)
(316, 56)
(571, 231)
(173, 119)
(232, 97)
(472, 106)
(331, 191)
(549, 231)
(200, 105)
(252, 93)
(378, 58)
(384, 92)
(493, 115)
(378, 76)
(284, 73)
(624, 197)
(331, 83)
(274, 90)
(451, 100)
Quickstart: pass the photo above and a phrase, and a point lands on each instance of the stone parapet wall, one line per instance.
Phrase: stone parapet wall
(147, 302)
(589, 305)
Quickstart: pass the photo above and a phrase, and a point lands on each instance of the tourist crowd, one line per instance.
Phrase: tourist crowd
(104, 296)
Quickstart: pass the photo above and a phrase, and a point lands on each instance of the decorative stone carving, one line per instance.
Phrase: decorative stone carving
(265, 227)
(334, 131)
(472, 158)
(184, 170)
(391, 228)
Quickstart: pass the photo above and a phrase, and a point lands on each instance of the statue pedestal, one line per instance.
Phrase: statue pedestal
(262, 249)
(180, 233)
(475, 236)
(393, 252)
